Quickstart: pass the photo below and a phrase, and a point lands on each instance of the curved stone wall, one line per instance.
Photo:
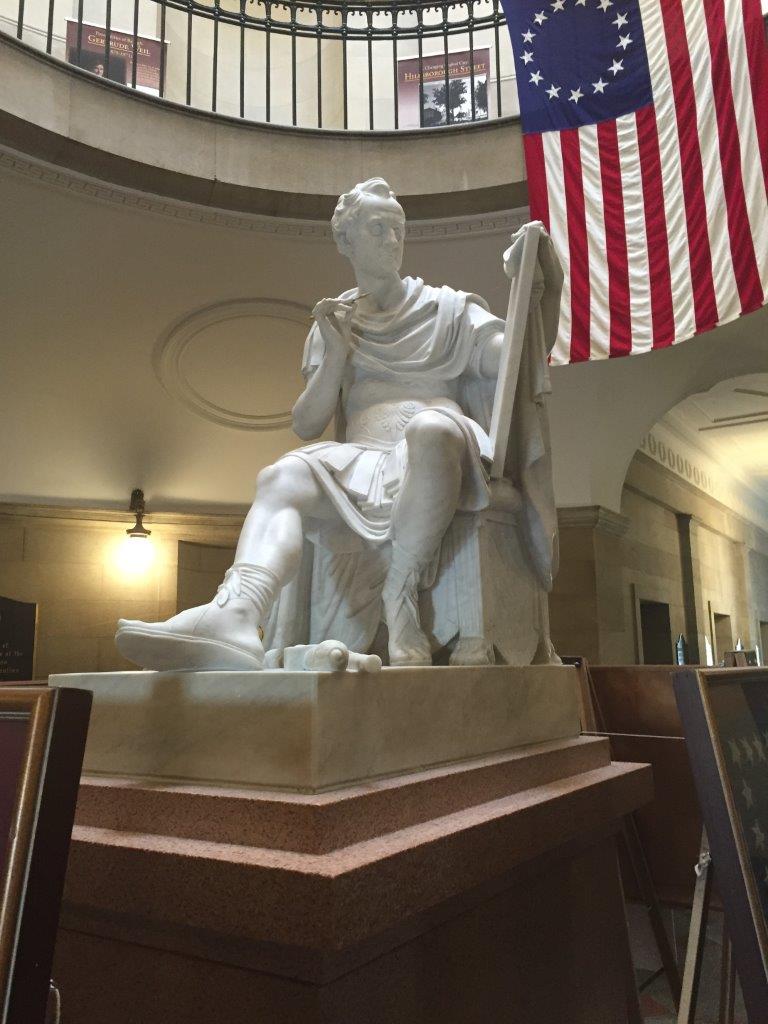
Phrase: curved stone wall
(52, 112)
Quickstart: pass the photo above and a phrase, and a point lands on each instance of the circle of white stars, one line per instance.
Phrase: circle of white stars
(553, 90)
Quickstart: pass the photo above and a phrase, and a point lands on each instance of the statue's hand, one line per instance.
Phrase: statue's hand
(334, 320)
(514, 254)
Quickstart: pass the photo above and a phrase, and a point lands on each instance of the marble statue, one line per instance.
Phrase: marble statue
(385, 524)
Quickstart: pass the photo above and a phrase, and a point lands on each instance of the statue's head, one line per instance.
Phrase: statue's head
(369, 226)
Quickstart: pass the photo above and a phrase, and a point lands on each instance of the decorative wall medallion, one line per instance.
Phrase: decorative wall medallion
(236, 363)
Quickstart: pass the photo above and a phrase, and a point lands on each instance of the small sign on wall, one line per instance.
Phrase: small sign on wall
(18, 624)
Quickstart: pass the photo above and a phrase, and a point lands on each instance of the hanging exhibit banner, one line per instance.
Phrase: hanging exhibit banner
(93, 55)
(446, 86)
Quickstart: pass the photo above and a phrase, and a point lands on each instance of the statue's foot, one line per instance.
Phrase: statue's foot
(208, 637)
(409, 647)
(472, 650)
(408, 643)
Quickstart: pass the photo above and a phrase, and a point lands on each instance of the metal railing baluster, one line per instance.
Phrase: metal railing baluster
(215, 68)
(419, 31)
(344, 68)
(471, 20)
(394, 68)
(242, 58)
(162, 50)
(189, 53)
(108, 38)
(135, 49)
(498, 56)
(319, 25)
(445, 65)
(293, 64)
(49, 33)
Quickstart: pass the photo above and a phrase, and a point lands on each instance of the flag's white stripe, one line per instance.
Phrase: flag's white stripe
(637, 239)
(558, 220)
(726, 287)
(599, 311)
(671, 170)
(751, 164)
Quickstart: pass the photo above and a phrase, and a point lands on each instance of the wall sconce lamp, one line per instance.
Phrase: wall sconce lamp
(134, 558)
(138, 507)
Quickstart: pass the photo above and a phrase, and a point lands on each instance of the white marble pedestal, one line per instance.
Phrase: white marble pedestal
(309, 731)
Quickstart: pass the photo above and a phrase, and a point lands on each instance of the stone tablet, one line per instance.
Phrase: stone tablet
(18, 622)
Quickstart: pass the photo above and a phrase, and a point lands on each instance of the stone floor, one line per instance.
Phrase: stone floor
(655, 1000)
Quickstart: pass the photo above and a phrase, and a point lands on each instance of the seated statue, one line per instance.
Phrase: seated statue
(344, 535)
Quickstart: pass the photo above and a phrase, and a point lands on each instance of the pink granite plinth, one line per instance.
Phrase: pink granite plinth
(477, 892)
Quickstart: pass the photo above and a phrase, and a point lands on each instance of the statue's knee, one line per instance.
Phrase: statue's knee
(287, 482)
(432, 431)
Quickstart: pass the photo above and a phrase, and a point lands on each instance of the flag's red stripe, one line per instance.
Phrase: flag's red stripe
(704, 301)
(662, 314)
(578, 254)
(757, 58)
(615, 239)
(739, 229)
(537, 178)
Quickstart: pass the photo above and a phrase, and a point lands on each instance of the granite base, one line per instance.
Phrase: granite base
(462, 894)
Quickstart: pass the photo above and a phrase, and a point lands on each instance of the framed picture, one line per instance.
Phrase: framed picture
(725, 719)
(42, 740)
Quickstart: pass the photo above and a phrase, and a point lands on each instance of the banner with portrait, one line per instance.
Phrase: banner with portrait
(91, 54)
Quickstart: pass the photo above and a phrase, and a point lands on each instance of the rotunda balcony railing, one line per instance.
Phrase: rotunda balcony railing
(384, 65)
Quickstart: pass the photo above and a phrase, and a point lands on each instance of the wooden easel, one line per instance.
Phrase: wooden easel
(694, 955)
(593, 720)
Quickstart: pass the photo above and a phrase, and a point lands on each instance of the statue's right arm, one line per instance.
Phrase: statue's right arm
(316, 406)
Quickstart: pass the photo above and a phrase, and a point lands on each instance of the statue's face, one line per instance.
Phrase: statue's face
(376, 239)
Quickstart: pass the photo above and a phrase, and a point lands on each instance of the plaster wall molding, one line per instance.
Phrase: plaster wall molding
(107, 516)
(689, 463)
(12, 162)
(595, 517)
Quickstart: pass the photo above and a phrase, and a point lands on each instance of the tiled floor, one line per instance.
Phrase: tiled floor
(655, 1000)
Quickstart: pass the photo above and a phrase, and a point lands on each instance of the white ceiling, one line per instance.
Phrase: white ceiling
(730, 424)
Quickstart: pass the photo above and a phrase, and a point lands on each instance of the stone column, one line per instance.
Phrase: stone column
(588, 607)
(690, 604)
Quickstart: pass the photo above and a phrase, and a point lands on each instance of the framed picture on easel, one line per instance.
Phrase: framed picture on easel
(725, 718)
(42, 739)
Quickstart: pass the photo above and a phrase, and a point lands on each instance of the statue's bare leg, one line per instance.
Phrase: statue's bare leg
(224, 634)
(425, 507)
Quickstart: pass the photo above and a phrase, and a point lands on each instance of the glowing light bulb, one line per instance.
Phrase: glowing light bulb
(135, 555)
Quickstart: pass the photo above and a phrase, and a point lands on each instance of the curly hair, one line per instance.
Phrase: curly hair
(348, 208)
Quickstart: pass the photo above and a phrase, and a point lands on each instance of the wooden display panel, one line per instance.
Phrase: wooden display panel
(42, 739)
(725, 718)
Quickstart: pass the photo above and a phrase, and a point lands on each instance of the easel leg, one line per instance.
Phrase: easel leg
(727, 982)
(697, 935)
(642, 874)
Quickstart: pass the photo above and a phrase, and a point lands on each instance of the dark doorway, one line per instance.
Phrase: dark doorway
(656, 633)
(723, 635)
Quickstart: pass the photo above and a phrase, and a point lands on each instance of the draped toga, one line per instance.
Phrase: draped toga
(424, 354)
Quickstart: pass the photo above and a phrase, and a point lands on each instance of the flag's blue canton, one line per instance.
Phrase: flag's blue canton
(578, 61)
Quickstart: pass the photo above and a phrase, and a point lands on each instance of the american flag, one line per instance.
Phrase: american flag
(646, 142)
